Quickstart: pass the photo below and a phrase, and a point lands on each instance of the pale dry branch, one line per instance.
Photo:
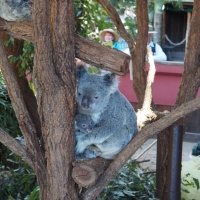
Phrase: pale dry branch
(150, 80)
(145, 114)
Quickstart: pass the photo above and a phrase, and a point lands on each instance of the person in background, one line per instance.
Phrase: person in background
(110, 38)
(158, 54)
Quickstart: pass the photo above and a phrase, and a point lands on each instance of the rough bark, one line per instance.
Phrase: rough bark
(138, 59)
(86, 173)
(85, 49)
(55, 83)
(190, 81)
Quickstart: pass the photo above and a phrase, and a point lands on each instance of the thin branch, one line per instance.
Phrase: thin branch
(20, 30)
(15, 146)
(25, 122)
(145, 114)
(138, 140)
(150, 80)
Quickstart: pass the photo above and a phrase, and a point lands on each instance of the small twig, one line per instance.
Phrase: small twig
(142, 161)
(146, 149)
(151, 172)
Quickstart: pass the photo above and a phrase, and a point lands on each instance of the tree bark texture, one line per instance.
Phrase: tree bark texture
(190, 81)
(55, 83)
(139, 74)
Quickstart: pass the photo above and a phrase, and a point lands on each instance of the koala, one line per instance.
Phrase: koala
(15, 10)
(84, 125)
(114, 117)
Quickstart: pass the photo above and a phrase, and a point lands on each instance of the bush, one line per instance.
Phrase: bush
(131, 183)
(19, 183)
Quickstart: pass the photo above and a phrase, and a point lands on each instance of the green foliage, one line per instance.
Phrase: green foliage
(130, 22)
(90, 17)
(189, 181)
(131, 26)
(132, 183)
(122, 5)
(10, 42)
(94, 70)
(26, 58)
(19, 183)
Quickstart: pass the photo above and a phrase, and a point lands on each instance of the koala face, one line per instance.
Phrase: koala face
(83, 123)
(93, 90)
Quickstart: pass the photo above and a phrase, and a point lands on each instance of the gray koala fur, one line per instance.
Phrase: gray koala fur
(114, 117)
(84, 125)
(15, 10)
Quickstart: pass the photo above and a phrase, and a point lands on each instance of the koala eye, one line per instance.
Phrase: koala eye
(79, 93)
(83, 125)
(96, 97)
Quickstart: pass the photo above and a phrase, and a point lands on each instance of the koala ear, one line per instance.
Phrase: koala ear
(109, 79)
(80, 70)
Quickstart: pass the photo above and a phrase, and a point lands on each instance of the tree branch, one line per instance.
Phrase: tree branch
(136, 142)
(25, 122)
(15, 146)
(145, 114)
(85, 49)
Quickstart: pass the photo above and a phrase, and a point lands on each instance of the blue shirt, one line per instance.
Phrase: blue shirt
(117, 46)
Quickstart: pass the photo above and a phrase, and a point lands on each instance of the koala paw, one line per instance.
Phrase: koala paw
(79, 148)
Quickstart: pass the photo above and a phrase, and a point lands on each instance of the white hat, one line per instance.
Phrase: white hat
(103, 32)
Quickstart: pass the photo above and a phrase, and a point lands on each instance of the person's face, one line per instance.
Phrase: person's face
(108, 37)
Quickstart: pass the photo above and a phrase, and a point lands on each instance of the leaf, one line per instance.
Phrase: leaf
(196, 181)
(10, 198)
(129, 193)
(185, 190)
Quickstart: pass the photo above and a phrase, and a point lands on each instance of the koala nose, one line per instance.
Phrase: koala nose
(85, 103)
(89, 129)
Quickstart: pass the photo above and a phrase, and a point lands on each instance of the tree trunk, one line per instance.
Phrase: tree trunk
(55, 83)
